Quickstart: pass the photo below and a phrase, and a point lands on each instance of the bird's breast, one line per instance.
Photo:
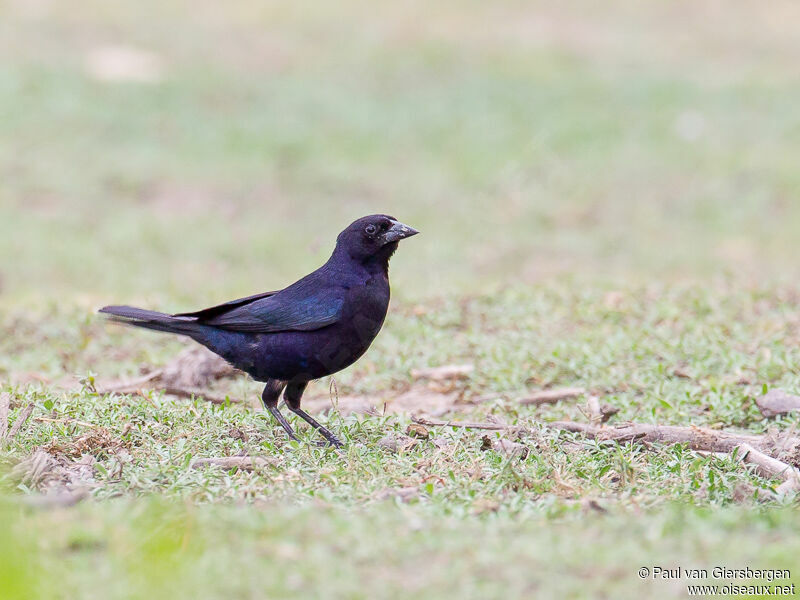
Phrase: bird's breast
(366, 307)
(305, 355)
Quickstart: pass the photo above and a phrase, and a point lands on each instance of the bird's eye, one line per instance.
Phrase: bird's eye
(371, 229)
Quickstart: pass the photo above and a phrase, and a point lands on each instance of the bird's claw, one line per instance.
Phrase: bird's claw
(330, 443)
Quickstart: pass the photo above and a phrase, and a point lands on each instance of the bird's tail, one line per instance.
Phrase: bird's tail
(150, 319)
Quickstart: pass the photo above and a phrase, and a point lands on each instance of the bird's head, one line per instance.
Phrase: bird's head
(373, 238)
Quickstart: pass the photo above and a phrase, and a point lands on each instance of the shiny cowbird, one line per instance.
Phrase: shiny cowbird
(315, 327)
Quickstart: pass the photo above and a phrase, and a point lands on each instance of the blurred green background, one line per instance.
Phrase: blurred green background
(609, 197)
(192, 151)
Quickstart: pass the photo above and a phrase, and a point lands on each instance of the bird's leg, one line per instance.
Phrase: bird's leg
(294, 391)
(270, 396)
(326, 433)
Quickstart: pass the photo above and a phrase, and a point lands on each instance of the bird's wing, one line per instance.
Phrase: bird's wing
(213, 311)
(304, 306)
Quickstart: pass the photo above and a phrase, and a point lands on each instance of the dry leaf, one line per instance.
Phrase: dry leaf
(682, 372)
(418, 431)
(405, 494)
(777, 402)
(504, 446)
(397, 443)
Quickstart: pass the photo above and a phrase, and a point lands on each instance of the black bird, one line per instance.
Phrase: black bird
(313, 328)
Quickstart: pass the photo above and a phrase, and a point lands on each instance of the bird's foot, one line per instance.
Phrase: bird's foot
(323, 431)
(331, 441)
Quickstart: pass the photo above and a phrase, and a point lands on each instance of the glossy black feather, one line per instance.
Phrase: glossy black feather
(312, 303)
(213, 311)
(315, 327)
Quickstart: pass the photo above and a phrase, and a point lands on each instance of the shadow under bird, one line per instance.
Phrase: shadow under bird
(315, 327)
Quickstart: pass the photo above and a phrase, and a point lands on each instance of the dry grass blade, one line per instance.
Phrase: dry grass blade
(24, 414)
(463, 424)
(5, 404)
(247, 463)
(64, 421)
(33, 469)
(63, 482)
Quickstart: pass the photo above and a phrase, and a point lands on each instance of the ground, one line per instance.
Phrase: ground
(607, 197)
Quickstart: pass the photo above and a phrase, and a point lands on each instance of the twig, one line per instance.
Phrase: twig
(790, 485)
(537, 398)
(67, 421)
(5, 405)
(186, 393)
(769, 467)
(463, 424)
(551, 396)
(247, 463)
(720, 455)
(196, 393)
(698, 438)
(752, 447)
(130, 384)
(21, 419)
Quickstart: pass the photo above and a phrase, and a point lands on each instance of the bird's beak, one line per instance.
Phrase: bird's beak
(398, 231)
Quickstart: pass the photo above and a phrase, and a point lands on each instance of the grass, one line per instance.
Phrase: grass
(606, 196)
(386, 510)
(525, 155)
(278, 550)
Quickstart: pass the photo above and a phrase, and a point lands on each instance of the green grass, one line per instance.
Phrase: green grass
(388, 551)
(521, 154)
(606, 194)
(381, 513)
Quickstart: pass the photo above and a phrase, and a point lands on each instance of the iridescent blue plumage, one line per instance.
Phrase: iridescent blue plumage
(315, 327)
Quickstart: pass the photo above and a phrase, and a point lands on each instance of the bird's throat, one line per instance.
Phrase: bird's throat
(381, 259)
